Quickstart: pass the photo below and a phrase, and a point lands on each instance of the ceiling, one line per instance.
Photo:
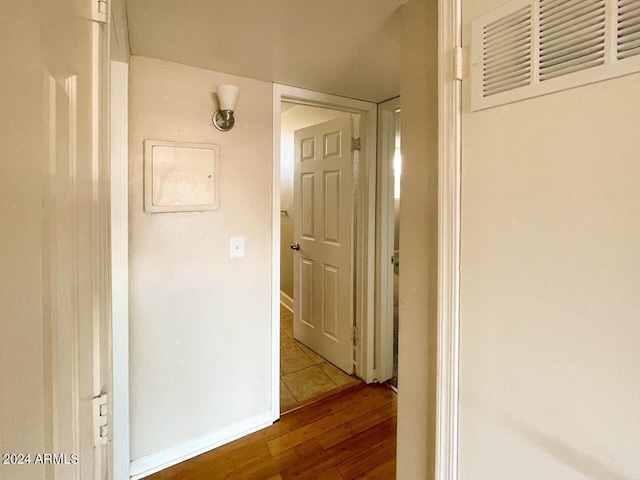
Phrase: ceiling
(344, 47)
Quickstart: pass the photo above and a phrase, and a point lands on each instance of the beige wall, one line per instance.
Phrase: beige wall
(418, 242)
(293, 119)
(550, 307)
(22, 242)
(200, 331)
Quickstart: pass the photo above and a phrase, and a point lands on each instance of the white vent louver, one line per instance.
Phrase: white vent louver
(507, 53)
(571, 36)
(534, 47)
(628, 28)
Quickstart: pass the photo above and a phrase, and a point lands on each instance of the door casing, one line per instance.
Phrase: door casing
(365, 214)
(449, 231)
(384, 242)
(120, 266)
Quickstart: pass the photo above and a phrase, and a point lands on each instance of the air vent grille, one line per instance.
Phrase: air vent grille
(628, 28)
(528, 48)
(507, 53)
(572, 36)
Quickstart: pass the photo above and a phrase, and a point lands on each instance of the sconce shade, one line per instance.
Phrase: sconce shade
(228, 96)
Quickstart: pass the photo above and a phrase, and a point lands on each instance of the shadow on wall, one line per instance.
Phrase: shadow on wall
(562, 451)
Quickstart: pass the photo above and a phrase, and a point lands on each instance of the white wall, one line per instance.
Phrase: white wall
(200, 330)
(295, 118)
(418, 242)
(550, 307)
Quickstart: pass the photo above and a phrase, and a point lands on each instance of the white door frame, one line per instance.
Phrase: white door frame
(384, 241)
(120, 267)
(365, 226)
(449, 194)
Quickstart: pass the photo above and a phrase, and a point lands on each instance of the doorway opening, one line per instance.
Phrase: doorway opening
(324, 275)
(394, 194)
(317, 196)
(388, 241)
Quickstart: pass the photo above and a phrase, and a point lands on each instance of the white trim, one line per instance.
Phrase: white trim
(120, 266)
(366, 361)
(275, 260)
(191, 448)
(286, 301)
(365, 268)
(385, 239)
(449, 192)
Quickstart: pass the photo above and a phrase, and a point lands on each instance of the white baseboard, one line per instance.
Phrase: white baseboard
(178, 453)
(286, 301)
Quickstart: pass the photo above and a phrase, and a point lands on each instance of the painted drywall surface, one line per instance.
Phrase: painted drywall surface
(120, 51)
(295, 118)
(349, 48)
(200, 323)
(418, 242)
(22, 243)
(550, 306)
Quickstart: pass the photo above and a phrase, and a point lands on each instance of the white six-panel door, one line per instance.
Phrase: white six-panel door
(323, 232)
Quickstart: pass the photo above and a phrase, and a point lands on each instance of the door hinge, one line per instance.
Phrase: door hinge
(355, 144)
(354, 333)
(99, 13)
(101, 420)
(458, 63)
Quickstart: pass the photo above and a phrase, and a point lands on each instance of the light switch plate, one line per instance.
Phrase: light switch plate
(236, 247)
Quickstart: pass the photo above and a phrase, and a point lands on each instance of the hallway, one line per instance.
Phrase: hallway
(347, 436)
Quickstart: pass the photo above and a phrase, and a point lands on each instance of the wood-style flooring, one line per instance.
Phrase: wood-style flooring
(347, 436)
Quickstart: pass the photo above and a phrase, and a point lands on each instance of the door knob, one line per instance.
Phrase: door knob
(295, 246)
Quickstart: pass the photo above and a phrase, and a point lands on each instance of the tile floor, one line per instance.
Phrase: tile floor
(303, 373)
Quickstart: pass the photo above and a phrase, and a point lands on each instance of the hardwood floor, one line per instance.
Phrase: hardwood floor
(347, 436)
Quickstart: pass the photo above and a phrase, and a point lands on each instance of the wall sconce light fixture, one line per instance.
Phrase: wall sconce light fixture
(228, 96)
